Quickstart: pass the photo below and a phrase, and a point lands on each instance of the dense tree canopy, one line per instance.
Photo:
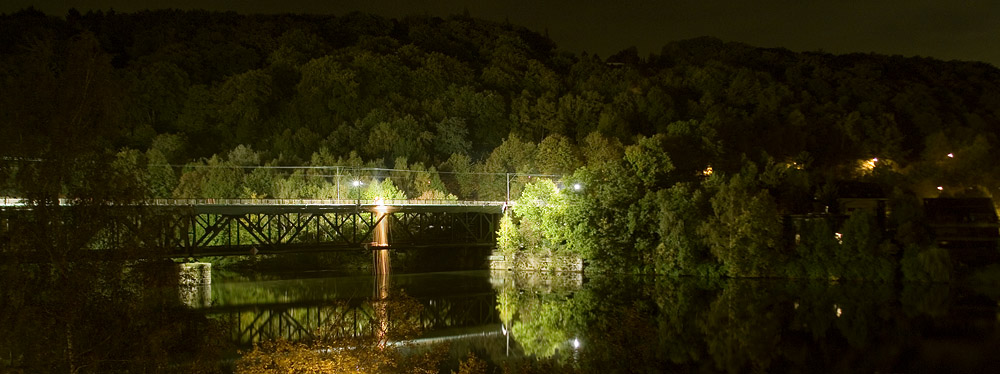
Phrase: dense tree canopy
(692, 155)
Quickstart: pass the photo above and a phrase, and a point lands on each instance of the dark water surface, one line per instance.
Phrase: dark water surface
(638, 324)
(524, 322)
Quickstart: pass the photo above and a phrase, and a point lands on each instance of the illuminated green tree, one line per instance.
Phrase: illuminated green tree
(681, 250)
(541, 210)
(744, 230)
(649, 159)
(508, 237)
(385, 190)
(513, 156)
(556, 155)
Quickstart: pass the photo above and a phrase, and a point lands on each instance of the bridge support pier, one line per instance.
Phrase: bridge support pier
(195, 284)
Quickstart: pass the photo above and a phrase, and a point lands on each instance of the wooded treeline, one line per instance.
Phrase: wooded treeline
(461, 101)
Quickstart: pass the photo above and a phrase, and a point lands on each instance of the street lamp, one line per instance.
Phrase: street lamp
(508, 187)
(357, 184)
(577, 186)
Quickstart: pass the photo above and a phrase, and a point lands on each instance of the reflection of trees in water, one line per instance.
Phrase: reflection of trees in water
(734, 325)
(63, 306)
(67, 308)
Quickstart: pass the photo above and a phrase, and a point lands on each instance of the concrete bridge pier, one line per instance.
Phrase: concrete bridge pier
(195, 284)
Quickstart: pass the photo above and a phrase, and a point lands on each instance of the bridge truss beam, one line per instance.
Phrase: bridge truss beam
(207, 232)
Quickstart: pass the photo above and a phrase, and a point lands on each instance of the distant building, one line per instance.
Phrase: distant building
(962, 221)
(968, 228)
(851, 198)
(860, 196)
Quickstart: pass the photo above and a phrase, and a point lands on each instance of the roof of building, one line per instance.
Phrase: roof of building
(960, 210)
(859, 190)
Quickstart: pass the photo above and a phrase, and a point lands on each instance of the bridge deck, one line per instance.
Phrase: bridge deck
(243, 206)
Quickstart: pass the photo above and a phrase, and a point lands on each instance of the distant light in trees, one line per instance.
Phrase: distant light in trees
(356, 183)
(837, 310)
(951, 155)
(839, 237)
(940, 188)
(868, 165)
(577, 186)
(576, 343)
(707, 171)
(793, 165)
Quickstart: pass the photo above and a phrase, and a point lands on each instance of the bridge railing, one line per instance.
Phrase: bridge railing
(316, 202)
(18, 202)
(12, 201)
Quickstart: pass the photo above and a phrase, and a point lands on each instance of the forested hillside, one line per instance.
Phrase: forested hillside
(689, 156)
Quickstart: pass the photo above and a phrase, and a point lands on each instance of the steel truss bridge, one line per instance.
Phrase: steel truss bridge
(220, 227)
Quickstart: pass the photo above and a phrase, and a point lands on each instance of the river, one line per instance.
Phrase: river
(635, 323)
(101, 317)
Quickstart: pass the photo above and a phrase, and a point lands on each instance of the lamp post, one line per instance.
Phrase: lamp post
(357, 186)
(508, 187)
(338, 184)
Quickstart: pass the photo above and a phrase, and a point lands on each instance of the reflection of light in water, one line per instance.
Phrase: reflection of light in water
(380, 301)
(380, 265)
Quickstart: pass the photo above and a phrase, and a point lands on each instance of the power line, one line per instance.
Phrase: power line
(358, 169)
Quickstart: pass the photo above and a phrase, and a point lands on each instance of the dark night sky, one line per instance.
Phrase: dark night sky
(963, 30)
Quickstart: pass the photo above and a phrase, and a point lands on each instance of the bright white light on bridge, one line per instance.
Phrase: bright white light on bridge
(380, 206)
(356, 183)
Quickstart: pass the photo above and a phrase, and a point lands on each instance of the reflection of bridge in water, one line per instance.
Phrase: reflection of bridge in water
(441, 317)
